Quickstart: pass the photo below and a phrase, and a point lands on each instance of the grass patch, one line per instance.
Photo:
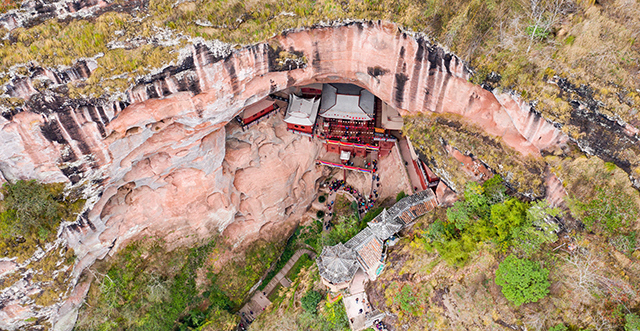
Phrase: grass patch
(287, 253)
(303, 262)
(237, 277)
(274, 295)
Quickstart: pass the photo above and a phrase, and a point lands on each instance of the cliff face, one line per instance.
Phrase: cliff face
(164, 164)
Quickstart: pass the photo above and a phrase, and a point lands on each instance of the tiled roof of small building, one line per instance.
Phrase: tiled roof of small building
(403, 210)
(385, 226)
(368, 247)
(337, 263)
(301, 111)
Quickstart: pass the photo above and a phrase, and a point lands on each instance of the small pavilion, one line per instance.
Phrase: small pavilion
(301, 114)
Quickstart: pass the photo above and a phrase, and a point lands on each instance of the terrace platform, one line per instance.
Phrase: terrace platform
(357, 163)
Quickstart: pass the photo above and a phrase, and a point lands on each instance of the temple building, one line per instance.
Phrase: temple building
(356, 126)
(339, 264)
(301, 114)
(257, 110)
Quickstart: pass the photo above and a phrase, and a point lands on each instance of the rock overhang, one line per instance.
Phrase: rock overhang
(172, 130)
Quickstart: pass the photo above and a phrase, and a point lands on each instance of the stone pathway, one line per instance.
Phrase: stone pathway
(406, 156)
(259, 301)
(356, 304)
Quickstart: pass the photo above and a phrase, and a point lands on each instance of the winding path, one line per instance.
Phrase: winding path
(259, 300)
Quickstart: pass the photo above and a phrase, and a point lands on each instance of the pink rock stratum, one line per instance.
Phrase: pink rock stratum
(166, 166)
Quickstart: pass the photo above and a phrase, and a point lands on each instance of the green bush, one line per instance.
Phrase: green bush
(400, 196)
(407, 300)
(322, 198)
(522, 280)
(320, 214)
(345, 228)
(488, 215)
(310, 301)
(559, 327)
(632, 322)
(537, 32)
(371, 214)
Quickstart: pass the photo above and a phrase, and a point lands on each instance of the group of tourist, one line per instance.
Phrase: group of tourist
(364, 203)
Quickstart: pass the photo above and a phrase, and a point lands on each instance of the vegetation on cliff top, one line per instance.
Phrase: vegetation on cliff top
(433, 134)
(30, 215)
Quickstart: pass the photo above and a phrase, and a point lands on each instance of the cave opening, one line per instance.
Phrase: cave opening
(355, 127)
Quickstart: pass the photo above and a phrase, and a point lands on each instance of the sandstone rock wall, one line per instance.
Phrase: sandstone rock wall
(164, 164)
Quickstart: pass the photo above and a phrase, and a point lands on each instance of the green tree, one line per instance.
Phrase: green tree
(539, 228)
(477, 202)
(632, 322)
(522, 280)
(508, 216)
(458, 214)
(494, 189)
(310, 301)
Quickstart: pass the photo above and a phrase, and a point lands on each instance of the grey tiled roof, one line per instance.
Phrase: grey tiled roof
(359, 239)
(406, 204)
(337, 263)
(385, 226)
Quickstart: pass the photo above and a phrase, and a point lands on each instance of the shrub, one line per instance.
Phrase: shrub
(320, 214)
(400, 196)
(345, 228)
(322, 198)
(632, 322)
(537, 32)
(310, 301)
(407, 300)
(559, 327)
(522, 280)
